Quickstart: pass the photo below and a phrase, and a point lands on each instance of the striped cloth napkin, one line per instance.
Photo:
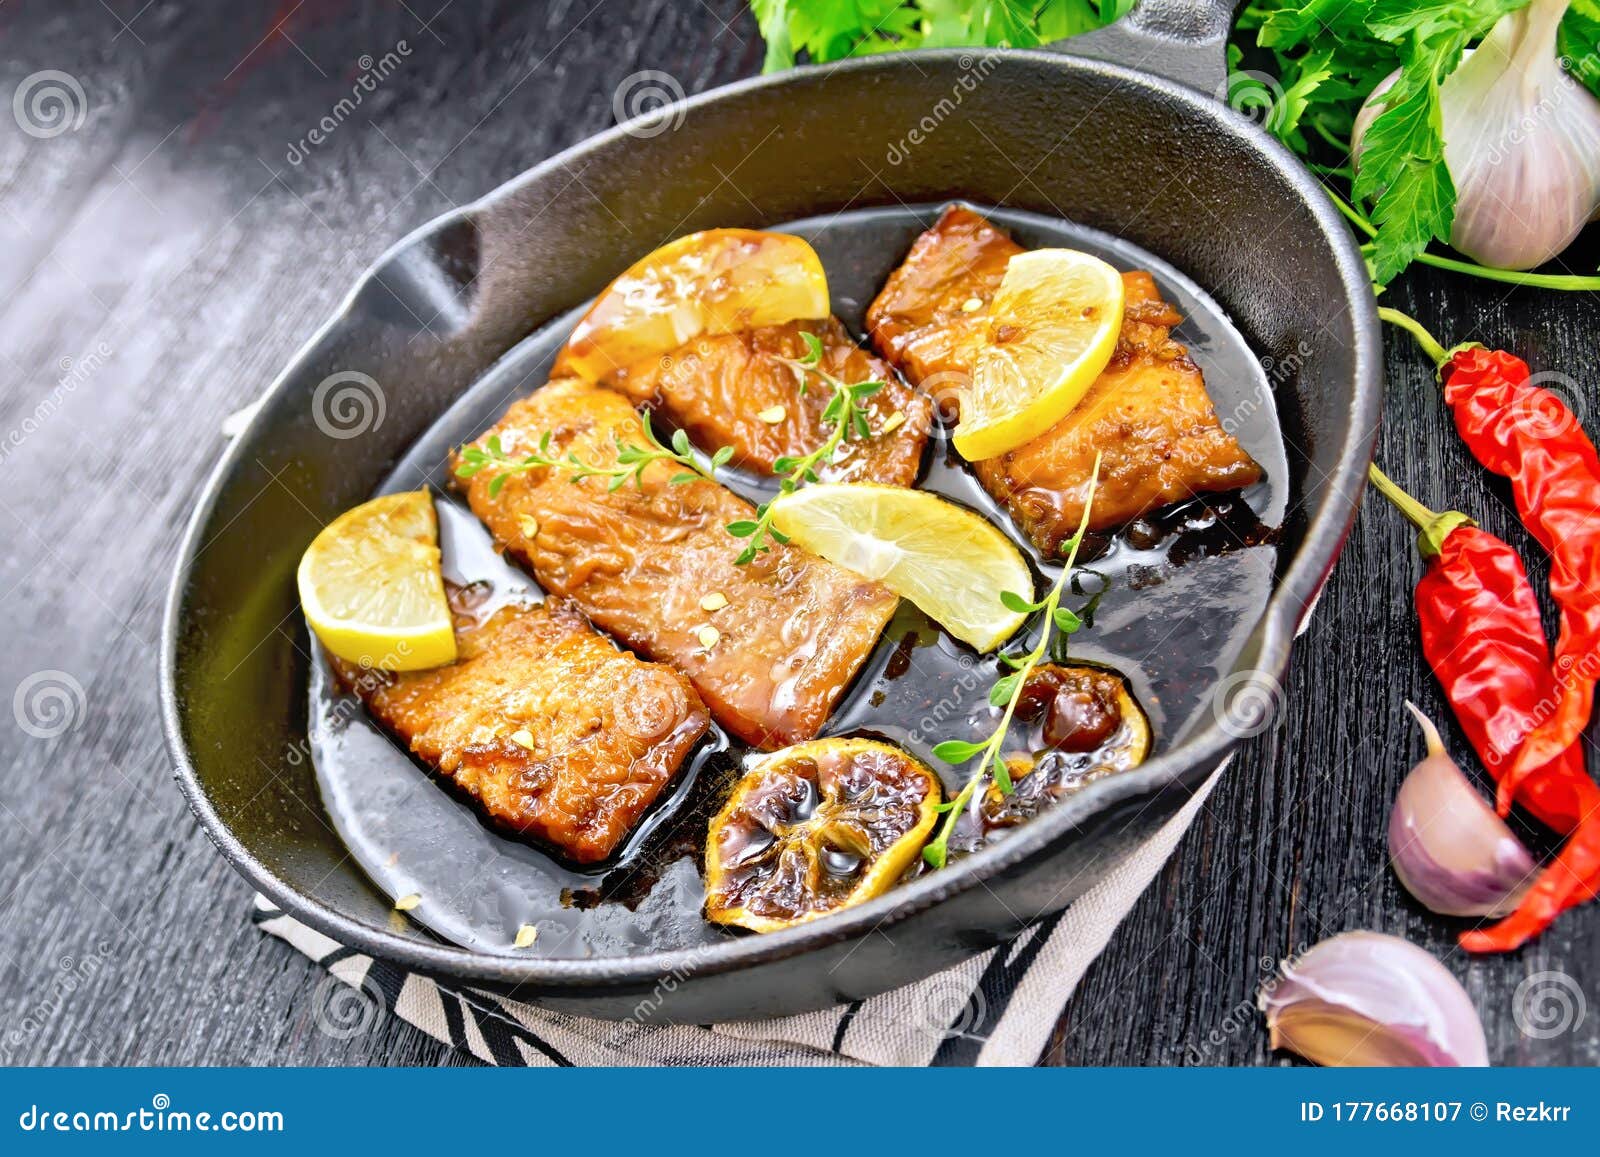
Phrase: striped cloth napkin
(995, 1009)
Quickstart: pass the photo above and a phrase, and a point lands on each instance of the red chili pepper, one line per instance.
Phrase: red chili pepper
(1531, 437)
(1528, 434)
(1572, 878)
(1482, 637)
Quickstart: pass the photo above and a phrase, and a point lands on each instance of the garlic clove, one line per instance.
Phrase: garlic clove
(1447, 845)
(1365, 998)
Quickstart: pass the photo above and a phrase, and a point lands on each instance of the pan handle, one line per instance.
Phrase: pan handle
(1181, 40)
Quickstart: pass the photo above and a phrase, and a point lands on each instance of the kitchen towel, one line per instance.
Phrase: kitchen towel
(996, 1009)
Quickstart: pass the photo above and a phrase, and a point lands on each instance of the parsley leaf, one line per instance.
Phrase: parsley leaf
(1578, 42)
(824, 30)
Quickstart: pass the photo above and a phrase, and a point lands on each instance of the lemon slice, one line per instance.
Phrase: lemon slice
(1053, 327)
(951, 563)
(704, 284)
(371, 587)
(817, 828)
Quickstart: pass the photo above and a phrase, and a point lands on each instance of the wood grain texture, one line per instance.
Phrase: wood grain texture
(164, 258)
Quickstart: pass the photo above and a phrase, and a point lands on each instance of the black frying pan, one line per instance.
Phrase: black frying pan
(1139, 155)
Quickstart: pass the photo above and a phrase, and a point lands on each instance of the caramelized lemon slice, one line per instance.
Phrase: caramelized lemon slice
(371, 586)
(1053, 328)
(704, 284)
(814, 829)
(950, 562)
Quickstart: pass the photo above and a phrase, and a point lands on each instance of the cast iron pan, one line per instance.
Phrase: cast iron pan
(1136, 155)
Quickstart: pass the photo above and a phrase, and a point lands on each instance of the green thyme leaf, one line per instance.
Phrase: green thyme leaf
(1002, 691)
(1017, 604)
(956, 750)
(1006, 692)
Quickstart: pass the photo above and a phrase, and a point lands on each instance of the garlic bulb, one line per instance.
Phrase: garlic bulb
(1521, 141)
(1364, 998)
(1449, 848)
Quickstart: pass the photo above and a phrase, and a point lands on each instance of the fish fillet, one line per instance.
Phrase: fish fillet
(556, 733)
(646, 562)
(738, 390)
(1148, 413)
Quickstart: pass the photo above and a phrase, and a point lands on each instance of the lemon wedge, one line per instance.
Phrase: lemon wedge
(1053, 327)
(950, 562)
(371, 587)
(701, 285)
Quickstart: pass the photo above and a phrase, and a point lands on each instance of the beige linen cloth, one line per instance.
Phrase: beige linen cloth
(995, 1009)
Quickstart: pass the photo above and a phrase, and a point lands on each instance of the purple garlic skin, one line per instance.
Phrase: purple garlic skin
(1447, 845)
(1365, 998)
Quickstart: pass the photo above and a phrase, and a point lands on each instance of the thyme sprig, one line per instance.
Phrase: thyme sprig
(846, 413)
(1007, 690)
(631, 460)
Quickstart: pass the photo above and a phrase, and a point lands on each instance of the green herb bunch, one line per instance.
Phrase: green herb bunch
(1327, 56)
(1059, 623)
(1304, 66)
(830, 30)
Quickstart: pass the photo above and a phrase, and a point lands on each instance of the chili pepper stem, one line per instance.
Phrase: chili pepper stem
(1430, 345)
(1432, 529)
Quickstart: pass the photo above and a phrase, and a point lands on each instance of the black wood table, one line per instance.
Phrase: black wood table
(169, 235)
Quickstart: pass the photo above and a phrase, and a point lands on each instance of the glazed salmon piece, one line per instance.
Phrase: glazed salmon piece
(640, 561)
(553, 731)
(738, 390)
(1148, 412)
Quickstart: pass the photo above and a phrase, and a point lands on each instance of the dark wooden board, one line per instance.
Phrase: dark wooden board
(163, 259)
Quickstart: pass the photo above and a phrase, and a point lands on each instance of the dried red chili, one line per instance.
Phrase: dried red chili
(1530, 436)
(1482, 638)
(1527, 434)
